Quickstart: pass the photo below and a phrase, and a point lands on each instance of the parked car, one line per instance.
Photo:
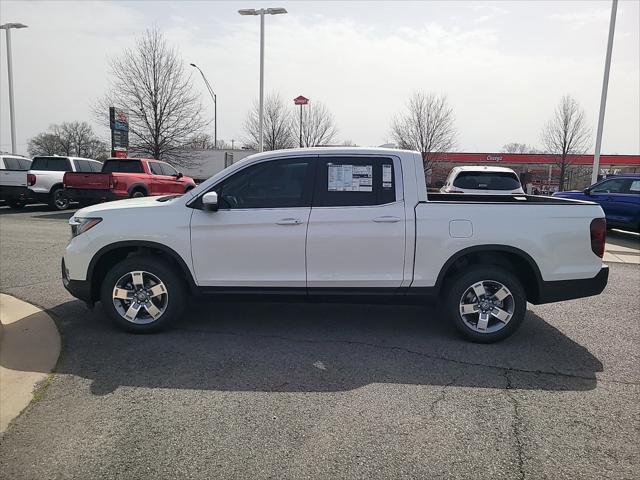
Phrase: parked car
(13, 180)
(335, 223)
(619, 197)
(45, 177)
(126, 177)
(483, 180)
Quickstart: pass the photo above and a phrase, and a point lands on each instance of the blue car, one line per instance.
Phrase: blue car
(619, 197)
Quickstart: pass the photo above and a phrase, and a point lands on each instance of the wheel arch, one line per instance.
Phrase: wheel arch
(138, 186)
(56, 186)
(111, 254)
(511, 258)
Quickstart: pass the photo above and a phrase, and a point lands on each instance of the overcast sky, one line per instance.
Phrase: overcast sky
(503, 65)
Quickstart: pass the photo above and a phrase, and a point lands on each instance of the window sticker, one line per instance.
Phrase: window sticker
(350, 178)
(386, 176)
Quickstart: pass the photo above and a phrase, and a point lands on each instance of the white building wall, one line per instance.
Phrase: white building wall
(206, 163)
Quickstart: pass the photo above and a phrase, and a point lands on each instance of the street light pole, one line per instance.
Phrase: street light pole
(215, 106)
(261, 12)
(603, 97)
(12, 114)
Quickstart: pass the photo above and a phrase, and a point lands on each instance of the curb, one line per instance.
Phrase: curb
(29, 350)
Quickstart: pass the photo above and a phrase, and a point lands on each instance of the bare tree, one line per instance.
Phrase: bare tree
(427, 126)
(515, 147)
(318, 126)
(566, 134)
(202, 141)
(150, 83)
(278, 132)
(69, 138)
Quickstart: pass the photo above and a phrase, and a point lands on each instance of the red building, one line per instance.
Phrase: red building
(539, 170)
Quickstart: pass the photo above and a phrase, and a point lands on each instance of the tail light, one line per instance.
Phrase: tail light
(598, 230)
(31, 179)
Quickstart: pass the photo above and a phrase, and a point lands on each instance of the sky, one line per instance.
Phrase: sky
(502, 65)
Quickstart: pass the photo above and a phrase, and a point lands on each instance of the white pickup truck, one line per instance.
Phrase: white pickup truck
(13, 180)
(336, 223)
(45, 178)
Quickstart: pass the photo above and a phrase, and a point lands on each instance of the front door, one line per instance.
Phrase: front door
(357, 226)
(257, 237)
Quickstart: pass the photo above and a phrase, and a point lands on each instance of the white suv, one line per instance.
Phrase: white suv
(483, 180)
(47, 172)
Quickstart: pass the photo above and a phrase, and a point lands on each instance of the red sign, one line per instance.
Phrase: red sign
(120, 154)
(300, 100)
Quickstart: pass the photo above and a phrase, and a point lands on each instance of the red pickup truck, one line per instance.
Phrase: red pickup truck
(124, 178)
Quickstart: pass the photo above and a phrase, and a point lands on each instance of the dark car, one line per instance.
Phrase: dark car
(619, 197)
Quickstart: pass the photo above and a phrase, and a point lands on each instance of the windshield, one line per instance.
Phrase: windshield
(487, 181)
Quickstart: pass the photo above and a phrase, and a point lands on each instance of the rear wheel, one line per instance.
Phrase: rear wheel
(57, 200)
(138, 193)
(142, 294)
(485, 303)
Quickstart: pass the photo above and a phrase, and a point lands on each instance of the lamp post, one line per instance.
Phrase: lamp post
(262, 12)
(603, 96)
(215, 106)
(12, 114)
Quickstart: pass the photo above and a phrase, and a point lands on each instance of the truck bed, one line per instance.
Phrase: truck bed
(471, 198)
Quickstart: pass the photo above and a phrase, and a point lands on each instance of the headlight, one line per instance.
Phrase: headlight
(81, 225)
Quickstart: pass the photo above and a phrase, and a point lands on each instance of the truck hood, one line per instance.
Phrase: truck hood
(119, 205)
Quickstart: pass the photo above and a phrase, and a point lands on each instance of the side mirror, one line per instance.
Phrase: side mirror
(210, 201)
(179, 175)
(586, 191)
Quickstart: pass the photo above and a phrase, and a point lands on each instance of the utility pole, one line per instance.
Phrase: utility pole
(12, 112)
(300, 100)
(603, 97)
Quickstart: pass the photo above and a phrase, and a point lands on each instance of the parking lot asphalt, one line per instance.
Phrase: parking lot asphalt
(267, 390)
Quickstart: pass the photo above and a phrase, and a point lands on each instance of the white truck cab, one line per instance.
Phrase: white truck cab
(335, 223)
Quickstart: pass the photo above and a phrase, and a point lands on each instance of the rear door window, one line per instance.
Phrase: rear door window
(25, 164)
(52, 164)
(156, 168)
(11, 163)
(122, 166)
(487, 181)
(82, 166)
(354, 181)
(634, 187)
(95, 166)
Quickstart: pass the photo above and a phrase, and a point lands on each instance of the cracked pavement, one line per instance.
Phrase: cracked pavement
(267, 390)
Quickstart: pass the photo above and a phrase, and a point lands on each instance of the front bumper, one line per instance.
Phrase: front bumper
(569, 289)
(80, 289)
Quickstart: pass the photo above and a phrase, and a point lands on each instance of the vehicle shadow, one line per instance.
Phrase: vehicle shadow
(271, 347)
(626, 240)
(40, 211)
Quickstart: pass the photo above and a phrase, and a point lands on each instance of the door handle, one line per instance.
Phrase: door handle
(386, 219)
(289, 221)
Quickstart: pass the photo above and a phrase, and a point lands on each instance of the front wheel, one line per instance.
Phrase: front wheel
(485, 303)
(57, 200)
(142, 294)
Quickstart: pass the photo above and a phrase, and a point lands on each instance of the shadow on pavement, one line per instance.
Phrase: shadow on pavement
(270, 347)
(624, 239)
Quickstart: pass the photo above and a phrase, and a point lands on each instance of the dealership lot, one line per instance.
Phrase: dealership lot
(295, 390)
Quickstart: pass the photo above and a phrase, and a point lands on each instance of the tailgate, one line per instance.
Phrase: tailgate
(88, 180)
(13, 178)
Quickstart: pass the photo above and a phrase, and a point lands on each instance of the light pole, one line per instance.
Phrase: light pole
(262, 12)
(12, 114)
(215, 106)
(603, 97)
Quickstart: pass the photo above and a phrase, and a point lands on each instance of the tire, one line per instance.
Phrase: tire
(57, 201)
(17, 204)
(492, 280)
(159, 303)
(138, 193)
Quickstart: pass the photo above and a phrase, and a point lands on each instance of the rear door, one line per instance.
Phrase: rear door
(356, 235)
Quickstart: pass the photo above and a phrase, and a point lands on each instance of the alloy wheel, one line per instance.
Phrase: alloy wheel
(487, 306)
(140, 297)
